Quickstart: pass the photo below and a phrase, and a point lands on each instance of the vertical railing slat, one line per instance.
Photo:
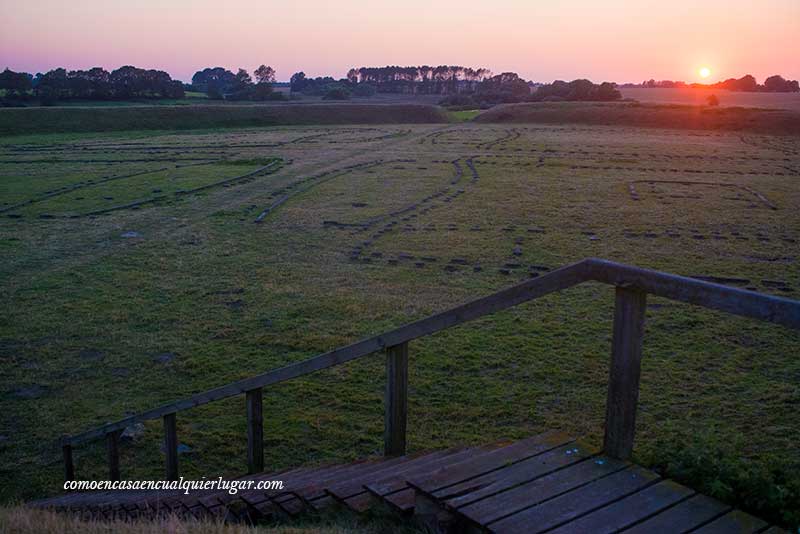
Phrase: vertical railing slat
(171, 446)
(69, 467)
(625, 370)
(112, 447)
(396, 400)
(255, 431)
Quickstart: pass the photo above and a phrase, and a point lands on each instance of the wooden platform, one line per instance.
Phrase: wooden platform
(547, 483)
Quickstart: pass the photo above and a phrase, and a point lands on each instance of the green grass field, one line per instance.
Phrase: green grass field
(134, 274)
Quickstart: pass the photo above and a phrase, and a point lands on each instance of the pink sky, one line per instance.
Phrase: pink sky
(613, 40)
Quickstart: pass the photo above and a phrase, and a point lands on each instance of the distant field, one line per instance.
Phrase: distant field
(672, 116)
(22, 121)
(133, 274)
(697, 97)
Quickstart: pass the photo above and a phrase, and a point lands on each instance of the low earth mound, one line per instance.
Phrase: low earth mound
(757, 120)
(23, 121)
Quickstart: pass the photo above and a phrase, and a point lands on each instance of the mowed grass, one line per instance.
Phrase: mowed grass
(96, 325)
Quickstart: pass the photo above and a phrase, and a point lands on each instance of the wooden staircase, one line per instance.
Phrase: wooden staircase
(547, 483)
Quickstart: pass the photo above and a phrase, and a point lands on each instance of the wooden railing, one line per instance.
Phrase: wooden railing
(632, 287)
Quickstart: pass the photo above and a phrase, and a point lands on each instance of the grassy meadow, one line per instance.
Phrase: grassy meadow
(134, 273)
(698, 96)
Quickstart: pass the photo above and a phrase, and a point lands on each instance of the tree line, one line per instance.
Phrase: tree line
(441, 80)
(222, 84)
(97, 83)
(510, 88)
(746, 84)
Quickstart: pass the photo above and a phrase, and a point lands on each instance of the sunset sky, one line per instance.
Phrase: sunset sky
(610, 40)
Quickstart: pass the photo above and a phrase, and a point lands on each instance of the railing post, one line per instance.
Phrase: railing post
(255, 431)
(396, 400)
(112, 446)
(623, 383)
(171, 446)
(69, 467)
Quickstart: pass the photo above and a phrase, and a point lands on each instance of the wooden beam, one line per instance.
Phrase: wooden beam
(556, 280)
(171, 446)
(623, 383)
(396, 400)
(69, 467)
(707, 294)
(255, 431)
(112, 447)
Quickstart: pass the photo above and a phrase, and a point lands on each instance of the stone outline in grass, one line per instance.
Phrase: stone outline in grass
(315, 180)
(635, 195)
(269, 168)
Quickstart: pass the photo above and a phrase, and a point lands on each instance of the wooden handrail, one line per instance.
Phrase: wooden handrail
(633, 284)
(706, 294)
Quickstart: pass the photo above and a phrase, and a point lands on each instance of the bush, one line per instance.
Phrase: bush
(458, 100)
(214, 93)
(336, 93)
(712, 100)
(718, 467)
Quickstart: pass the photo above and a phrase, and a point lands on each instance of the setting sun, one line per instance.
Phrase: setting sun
(705, 72)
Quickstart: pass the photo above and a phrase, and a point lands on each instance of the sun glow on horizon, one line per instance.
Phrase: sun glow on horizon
(704, 72)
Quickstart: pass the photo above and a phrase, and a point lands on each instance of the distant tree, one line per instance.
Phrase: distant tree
(502, 88)
(777, 84)
(243, 78)
(53, 85)
(712, 100)
(298, 82)
(223, 80)
(15, 84)
(583, 90)
(265, 74)
(746, 83)
(607, 92)
(580, 90)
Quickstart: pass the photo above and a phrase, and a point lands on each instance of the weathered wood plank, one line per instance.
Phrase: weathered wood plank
(350, 481)
(396, 400)
(255, 431)
(402, 500)
(344, 488)
(559, 510)
(627, 511)
(537, 287)
(540, 489)
(171, 446)
(707, 294)
(513, 475)
(734, 521)
(625, 370)
(112, 448)
(682, 517)
(450, 479)
(396, 480)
